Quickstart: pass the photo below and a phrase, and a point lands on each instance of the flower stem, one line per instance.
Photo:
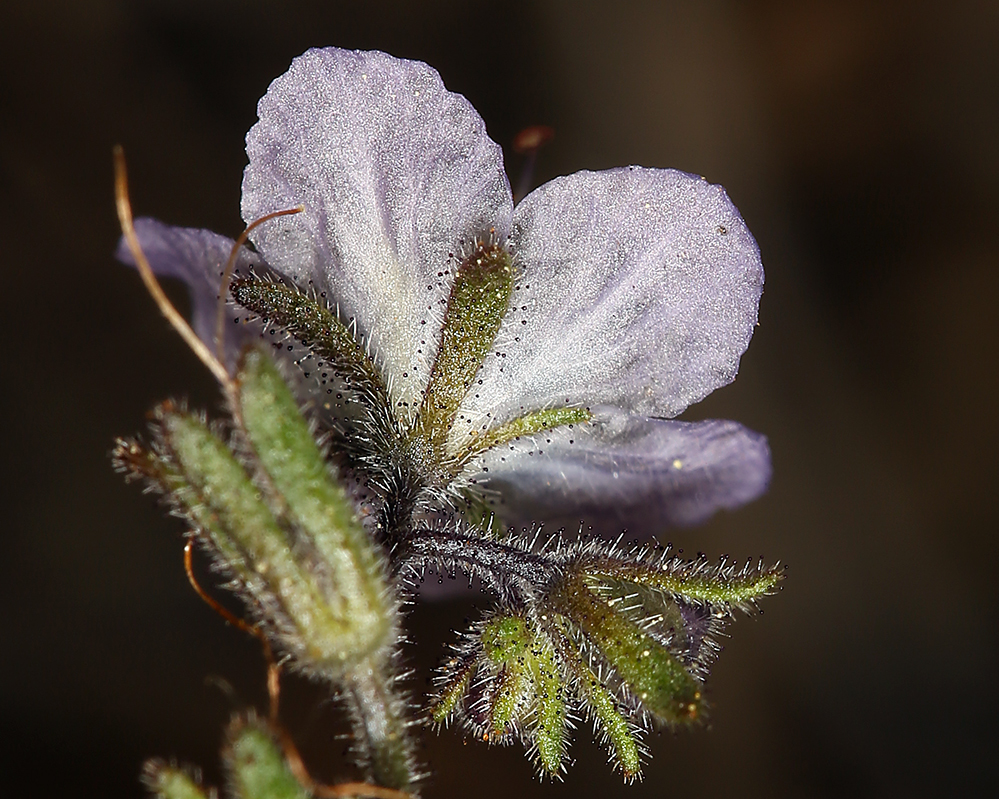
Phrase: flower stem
(380, 728)
(516, 575)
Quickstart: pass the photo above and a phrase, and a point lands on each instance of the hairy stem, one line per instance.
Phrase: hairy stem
(380, 728)
(514, 574)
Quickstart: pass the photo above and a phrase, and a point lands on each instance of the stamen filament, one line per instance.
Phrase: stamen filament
(230, 267)
(173, 316)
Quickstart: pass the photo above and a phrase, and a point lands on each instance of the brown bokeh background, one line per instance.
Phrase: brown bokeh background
(861, 142)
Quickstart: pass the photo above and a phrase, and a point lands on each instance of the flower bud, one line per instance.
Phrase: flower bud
(256, 764)
(170, 782)
(288, 534)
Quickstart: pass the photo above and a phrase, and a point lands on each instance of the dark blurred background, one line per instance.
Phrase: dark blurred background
(860, 141)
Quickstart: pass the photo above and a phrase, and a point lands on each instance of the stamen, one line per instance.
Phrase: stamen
(528, 142)
(230, 268)
(180, 324)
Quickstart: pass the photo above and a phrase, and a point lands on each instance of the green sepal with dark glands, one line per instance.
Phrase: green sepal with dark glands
(550, 711)
(167, 781)
(313, 323)
(529, 692)
(530, 424)
(425, 457)
(256, 764)
(506, 647)
(619, 735)
(479, 299)
(630, 654)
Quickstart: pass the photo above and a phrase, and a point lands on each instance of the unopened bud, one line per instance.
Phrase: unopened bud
(288, 534)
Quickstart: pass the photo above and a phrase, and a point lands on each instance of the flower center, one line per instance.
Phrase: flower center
(424, 450)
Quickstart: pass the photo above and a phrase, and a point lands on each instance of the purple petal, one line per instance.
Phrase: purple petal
(397, 176)
(197, 257)
(622, 471)
(638, 288)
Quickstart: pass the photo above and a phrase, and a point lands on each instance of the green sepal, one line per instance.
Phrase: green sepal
(206, 481)
(457, 674)
(620, 735)
(169, 782)
(653, 676)
(505, 645)
(688, 629)
(312, 322)
(508, 684)
(720, 584)
(550, 710)
(256, 763)
(530, 424)
(479, 299)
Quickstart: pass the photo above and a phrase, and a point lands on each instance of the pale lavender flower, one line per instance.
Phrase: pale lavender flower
(636, 290)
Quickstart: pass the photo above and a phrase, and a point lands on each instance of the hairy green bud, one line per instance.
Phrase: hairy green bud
(256, 764)
(169, 782)
(285, 530)
(508, 685)
(329, 540)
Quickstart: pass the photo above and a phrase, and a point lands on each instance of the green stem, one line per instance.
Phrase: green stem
(380, 728)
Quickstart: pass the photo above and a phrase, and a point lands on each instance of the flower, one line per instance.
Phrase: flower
(618, 298)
